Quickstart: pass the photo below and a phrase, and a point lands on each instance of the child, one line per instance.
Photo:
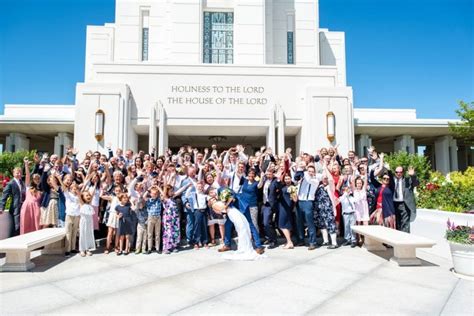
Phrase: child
(153, 208)
(50, 206)
(86, 225)
(142, 218)
(73, 217)
(359, 186)
(170, 222)
(348, 214)
(125, 223)
(112, 221)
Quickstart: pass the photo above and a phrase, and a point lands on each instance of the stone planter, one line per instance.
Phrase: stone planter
(463, 259)
(5, 225)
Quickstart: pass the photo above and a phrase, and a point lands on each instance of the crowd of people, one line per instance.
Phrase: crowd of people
(141, 202)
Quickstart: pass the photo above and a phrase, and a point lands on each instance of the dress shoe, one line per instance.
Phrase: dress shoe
(353, 245)
(272, 245)
(347, 243)
(260, 250)
(311, 247)
(333, 246)
(325, 244)
(224, 249)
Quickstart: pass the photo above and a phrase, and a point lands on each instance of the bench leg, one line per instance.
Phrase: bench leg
(17, 261)
(405, 256)
(373, 245)
(56, 248)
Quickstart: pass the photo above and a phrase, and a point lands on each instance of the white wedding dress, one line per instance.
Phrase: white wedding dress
(245, 249)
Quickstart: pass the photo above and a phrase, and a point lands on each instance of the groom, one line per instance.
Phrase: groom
(229, 225)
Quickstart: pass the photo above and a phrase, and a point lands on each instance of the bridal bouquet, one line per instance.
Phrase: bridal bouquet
(293, 190)
(225, 195)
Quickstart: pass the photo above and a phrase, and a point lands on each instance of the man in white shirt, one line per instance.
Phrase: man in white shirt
(308, 183)
(235, 176)
(269, 185)
(404, 198)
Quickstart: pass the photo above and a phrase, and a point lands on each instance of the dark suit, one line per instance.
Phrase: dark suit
(269, 208)
(18, 196)
(405, 211)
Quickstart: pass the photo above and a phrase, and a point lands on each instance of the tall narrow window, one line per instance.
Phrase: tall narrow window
(145, 33)
(290, 39)
(218, 38)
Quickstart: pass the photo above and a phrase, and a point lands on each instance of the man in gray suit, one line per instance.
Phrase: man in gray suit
(404, 198)
(17, 190)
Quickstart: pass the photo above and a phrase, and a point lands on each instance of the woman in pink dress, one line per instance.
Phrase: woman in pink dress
(30, 210)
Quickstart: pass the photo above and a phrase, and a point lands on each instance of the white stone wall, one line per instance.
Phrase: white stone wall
(115, 101)
(175, 32)
(333, 53)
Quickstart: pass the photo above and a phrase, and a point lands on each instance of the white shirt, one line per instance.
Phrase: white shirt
(199, 201)
(72, 204)
(19, 184)
(308, 186)
(234, 177)
(399, 189)
(347, 204)
(265, 190)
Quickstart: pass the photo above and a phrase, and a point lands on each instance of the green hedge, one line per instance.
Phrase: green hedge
(420, 163)
(9, 160)
(453, 192)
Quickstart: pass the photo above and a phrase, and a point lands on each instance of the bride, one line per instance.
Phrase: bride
(245, 249)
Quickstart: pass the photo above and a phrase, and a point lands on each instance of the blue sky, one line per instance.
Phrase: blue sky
(400, 53)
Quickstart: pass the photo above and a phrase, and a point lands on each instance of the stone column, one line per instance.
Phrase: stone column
(61, 141)
(271, 129)
(152, 132)
(163, 132)
(281, 131)
(405, 143)
(362, 144)
(16, 142)
(453, 154)
(442, 155)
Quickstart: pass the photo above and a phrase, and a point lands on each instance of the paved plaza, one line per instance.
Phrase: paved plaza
(291, 282)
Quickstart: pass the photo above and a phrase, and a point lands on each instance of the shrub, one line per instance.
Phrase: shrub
(420, 163)
(454, 192)
(459, 234)
(9, 160)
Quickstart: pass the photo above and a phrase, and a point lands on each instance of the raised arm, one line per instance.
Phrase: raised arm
(27, 172)
(380, 167)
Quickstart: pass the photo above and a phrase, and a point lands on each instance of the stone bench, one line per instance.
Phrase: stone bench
(18, 248)
(404, 244)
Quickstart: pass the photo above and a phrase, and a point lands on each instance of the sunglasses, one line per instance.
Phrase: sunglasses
(398, 172)
(386, 178)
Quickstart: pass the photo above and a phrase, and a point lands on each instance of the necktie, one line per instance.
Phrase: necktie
(396, 189)
(309, 189)
(197, 200)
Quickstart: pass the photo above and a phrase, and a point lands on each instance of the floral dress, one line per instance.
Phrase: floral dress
(171, 234)
(324, 211)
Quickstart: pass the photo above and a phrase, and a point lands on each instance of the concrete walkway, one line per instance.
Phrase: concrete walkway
(343, 281)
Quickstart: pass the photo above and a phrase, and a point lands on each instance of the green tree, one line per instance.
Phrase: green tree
(464, 130)
(420, 163)
(9, 160)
